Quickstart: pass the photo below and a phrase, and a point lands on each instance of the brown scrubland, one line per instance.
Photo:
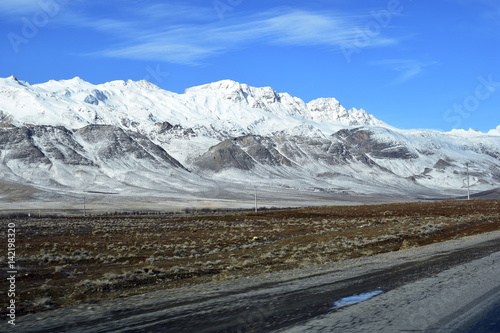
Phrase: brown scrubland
(68, 260)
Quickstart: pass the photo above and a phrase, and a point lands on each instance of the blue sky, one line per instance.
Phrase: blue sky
(413, 64)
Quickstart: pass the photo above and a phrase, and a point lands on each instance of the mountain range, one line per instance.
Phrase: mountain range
(217, 141)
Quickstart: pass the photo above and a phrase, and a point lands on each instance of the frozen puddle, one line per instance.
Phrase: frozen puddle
(346, 301)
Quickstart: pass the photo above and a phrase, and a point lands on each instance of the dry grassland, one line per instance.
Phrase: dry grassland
(70, 260)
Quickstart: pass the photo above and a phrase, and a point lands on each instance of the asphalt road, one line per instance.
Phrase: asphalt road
(453, 286)
(489, 323)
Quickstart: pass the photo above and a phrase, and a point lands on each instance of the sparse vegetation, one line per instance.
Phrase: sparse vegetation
(71, 260)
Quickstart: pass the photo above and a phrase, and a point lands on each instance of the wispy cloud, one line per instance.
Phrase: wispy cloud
(190, 43)
(18, 7)
(488, 9)
(407, 69)
(172, 11)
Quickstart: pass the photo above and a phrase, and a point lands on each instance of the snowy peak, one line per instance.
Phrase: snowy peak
(330, 110)
(77, 84)
(325, 109)
(226, 108)
(75, 81)
(267, 99)
(237, 92)
(131, 84)
(12, 81)
(225, 89)
(223, 86)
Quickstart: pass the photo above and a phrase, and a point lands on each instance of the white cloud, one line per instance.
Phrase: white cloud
(407, 68)
(190, 43)
(174, 11)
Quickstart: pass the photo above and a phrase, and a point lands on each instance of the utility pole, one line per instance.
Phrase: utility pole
(255, 188)
(84, 208)
(468, 183)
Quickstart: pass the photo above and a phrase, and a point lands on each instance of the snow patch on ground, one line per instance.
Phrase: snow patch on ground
(351, 300)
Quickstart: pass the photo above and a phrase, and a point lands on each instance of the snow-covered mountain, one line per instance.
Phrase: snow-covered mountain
(71, 135)
(218, 108)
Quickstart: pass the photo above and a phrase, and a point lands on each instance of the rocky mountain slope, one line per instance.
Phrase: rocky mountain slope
(129, 137)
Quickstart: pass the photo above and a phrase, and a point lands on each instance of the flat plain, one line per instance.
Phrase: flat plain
(65, 260)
